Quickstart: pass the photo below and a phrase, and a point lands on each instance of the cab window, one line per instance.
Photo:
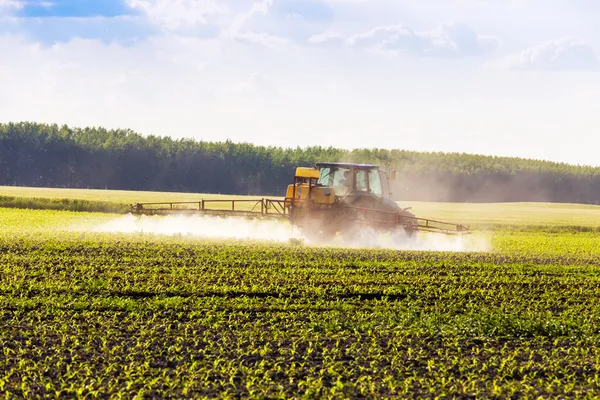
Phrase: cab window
(342, 181)
(385, 188)
(362, 184)
(325, 177)
(375, 183)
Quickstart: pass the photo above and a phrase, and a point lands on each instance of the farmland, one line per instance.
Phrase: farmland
(106, 314)
(521, 216)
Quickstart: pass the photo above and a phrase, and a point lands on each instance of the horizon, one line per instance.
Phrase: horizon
(518, 79)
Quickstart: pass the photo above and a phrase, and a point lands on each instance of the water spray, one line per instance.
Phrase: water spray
(225, 227)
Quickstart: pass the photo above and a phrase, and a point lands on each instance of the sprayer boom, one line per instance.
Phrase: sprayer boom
(229, 207)
(309, 216)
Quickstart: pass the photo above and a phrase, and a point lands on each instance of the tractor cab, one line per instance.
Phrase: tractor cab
(357, 185)
(354, 179)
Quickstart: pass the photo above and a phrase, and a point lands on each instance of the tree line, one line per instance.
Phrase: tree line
(43, 155)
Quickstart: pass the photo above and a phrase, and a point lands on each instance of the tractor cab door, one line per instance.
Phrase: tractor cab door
(371, 191)
(365, 189)
(385, 184)
(368, 181)
(376, 184)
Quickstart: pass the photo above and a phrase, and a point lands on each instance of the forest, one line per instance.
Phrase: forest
(49, 155)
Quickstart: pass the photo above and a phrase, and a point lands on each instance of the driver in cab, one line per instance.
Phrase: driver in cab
(345, 184)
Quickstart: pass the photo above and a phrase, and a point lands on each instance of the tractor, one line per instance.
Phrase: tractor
(323, 201)
(345, 198)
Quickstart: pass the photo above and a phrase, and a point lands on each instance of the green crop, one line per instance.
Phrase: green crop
(109, 315)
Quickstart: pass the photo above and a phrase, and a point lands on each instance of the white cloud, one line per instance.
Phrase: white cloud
(306, 10)
(7, 7)
(381, 35)
(260, 38)
(327, 39)
(447, 40)
(11, 4)
(257, 85)
(86, 82)
(258, 7)
(175, 14)
(567, 54)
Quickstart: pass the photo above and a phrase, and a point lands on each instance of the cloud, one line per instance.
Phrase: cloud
(260, 38)
(447, 40)
(384, 36)
(566, 54)
(174, 15)
(8, 7)
(308, 10)
(257, 84)
(259, 7)
(327, 39)
(87, 82)
(243, 20)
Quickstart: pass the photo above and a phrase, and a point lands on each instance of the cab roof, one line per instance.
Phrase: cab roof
(345, 165)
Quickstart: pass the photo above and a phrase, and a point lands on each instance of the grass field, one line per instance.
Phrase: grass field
(111, 314)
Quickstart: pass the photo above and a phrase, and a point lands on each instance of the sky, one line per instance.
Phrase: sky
(507, 78)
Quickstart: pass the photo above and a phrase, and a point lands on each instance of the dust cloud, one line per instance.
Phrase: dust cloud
(216, 227)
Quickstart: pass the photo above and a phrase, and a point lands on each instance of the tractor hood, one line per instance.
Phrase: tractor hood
(384, 204)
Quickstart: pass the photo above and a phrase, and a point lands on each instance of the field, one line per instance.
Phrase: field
(106, 314)
(520, 216)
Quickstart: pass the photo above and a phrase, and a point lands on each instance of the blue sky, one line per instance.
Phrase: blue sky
(515, 78)
(74, 8)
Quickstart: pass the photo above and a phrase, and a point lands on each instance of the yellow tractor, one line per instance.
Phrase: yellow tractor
(323, 201)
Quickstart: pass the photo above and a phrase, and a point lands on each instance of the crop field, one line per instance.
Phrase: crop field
(108, 314)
